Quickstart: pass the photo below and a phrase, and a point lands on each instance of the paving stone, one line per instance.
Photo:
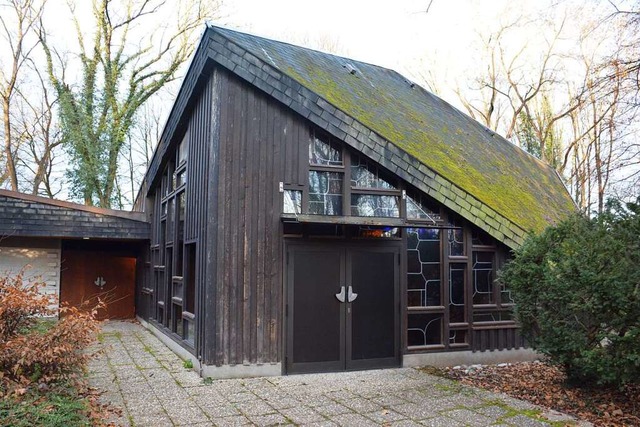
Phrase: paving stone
(325, 423)
(152, 421)
(416, 411)
(284, 402)
(353, 420)
(361, 405)
(302, 415)
(240, 397)
(187, 379)
(384, 416)
(254, 407)
(239, 420)
(468, 417)
(524, 421)
(332, 409)
(441, 422)
(492, 411)
(268, 420)
(403, 423)
(220, 411)
(390, 400)
(151, 386)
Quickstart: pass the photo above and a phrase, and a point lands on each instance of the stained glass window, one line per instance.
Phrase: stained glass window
(456, 293)
(423, 267)
(374, 205)
(456, 237)
(378, 232)
(424, 329)
(458, 336)
(325, 193)
(420, 207)
(493, 316)
(366, 175)
(183, 149)
(292, 202)
(480, 238)
(322, 153)
(483, 277)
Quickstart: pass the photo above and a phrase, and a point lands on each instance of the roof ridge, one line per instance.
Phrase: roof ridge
(297, 46)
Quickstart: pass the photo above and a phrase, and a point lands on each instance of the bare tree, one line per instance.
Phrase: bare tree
(17, 22)
(121, 70)
(40, 136)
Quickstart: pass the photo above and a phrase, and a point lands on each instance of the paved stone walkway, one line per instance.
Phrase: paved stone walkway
(153, 388)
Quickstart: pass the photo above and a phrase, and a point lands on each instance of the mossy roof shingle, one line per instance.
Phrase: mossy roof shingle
(516, 185)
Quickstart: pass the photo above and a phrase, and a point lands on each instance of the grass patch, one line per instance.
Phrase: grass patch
(41, 325)
(149, 350)
(61, 406)
(510, 412)
(188, 364)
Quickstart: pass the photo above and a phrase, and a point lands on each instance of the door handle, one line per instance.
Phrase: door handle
(340, 295)
(351, 296)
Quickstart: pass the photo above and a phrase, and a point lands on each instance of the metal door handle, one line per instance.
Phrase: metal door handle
(340, 295)
(351, 296)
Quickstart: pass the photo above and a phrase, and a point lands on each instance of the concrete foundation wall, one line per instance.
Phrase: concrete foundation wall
(208, 371)
(456, 358)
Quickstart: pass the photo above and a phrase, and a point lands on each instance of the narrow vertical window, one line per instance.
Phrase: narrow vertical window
(190, 293)
(456, 293)
(483, 277)
(423, 267)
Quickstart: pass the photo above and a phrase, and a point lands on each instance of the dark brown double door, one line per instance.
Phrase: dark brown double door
(342, 307)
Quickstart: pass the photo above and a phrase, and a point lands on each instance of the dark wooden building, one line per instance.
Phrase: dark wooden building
(314, 213)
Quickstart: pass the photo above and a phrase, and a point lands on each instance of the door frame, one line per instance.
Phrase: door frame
(288, 306)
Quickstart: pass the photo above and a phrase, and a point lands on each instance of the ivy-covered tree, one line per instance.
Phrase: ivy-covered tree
(577, 293)
(127, 59)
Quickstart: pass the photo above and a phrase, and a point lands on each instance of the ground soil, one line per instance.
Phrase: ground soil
(545, 385)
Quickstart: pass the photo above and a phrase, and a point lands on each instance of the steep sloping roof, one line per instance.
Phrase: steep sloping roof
(413, 133)
(501, 175)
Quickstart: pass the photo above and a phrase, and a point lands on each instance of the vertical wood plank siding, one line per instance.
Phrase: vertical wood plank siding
(261, 144)
(200, 142)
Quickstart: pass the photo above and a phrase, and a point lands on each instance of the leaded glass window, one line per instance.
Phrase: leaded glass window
(483, 278)
(183, 149)
(480, 238)
(423, 267)
(325, 193)
(366, 175)
(374, 205)
(424, 329)
(458, 336)
(323, 153)
(456, 293)
(378, 232)
(493, 316)
(420, 207)
(292, 202)
(456, 237)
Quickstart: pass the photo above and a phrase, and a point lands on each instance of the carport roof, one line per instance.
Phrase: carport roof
(24, 215)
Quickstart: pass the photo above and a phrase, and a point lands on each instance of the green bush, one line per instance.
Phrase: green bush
(577, 293)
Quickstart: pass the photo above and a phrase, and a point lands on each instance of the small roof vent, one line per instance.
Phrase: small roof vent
(351, 69)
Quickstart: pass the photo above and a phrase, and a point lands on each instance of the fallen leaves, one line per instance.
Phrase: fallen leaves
(545, 385)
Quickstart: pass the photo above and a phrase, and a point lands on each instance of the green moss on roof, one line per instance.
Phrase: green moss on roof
(499, 174)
